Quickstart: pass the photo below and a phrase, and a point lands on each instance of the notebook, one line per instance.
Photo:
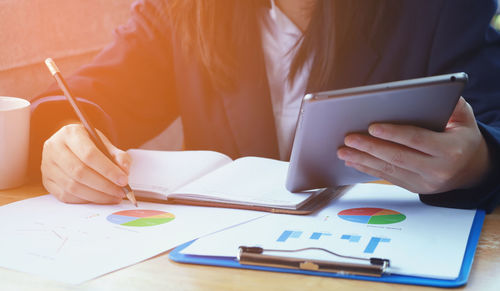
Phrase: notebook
(209, 178)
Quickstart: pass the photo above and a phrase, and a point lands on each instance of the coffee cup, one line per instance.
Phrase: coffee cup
(14, 141)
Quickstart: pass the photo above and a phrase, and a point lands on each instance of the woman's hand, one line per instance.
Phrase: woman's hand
(75, 171)
(421, 160)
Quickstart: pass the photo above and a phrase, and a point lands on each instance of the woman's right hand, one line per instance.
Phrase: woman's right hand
(75, 171)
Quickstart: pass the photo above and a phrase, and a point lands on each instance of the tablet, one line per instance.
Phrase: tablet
(325, 118)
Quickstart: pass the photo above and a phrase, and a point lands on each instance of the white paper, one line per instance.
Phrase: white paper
(250, 180)
(166, 171)
(74, 243)
(429, 242)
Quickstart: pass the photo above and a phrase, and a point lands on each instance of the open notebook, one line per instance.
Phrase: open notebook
(210, 178)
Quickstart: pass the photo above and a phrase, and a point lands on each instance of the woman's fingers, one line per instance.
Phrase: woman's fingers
(75, 171)
(426, 161)
(386, 173)
(121, 157)
(82, 146)
(81, 173)
(425, 141)
(363, 149)
(70, 189)
(55, 190)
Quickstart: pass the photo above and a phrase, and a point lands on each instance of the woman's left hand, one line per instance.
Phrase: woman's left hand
(421, 160)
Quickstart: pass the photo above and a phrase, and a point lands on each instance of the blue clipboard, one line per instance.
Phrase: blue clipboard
(462, 278)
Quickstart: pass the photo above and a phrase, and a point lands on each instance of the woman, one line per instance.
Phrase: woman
(235, 72)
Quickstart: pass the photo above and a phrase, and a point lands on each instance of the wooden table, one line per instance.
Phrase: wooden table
(159, 273)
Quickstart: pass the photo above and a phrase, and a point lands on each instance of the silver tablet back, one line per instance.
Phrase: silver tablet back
(327, 117)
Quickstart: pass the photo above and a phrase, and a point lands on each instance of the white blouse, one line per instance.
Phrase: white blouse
(279, 36)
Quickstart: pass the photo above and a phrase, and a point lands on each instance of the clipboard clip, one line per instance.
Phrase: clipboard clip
(375, 267)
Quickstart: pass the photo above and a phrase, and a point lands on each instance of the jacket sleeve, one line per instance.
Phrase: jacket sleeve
(128, 90)
(465, 41)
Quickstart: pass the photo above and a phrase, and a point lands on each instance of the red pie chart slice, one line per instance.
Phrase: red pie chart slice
(367, 215)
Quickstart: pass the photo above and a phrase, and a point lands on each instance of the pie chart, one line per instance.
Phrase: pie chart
(140, 217)
(371, 215)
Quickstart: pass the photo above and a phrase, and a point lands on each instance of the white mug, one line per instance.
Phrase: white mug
(14, 141)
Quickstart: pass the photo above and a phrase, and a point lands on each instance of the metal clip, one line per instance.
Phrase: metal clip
(255, 256)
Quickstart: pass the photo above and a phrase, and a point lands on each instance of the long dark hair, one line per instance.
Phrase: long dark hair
(214, 29)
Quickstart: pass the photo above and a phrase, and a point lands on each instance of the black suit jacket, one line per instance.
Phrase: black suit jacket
(143, 80)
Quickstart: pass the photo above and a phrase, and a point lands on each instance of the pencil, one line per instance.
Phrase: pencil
(85, 121)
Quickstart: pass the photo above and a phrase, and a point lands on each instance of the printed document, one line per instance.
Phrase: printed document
(369, 220)
(74, 243)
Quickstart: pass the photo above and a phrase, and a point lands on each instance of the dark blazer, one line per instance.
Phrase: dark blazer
(143, 80)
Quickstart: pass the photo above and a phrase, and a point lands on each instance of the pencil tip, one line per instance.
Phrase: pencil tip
(131, 197)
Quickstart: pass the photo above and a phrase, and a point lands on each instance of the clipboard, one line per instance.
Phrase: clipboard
(462, 278)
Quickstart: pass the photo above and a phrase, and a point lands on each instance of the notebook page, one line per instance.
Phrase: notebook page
(165, 171)
(248, 180)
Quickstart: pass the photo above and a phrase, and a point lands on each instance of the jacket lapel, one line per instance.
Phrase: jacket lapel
(355, 66)
(249, 109)
(357, 54)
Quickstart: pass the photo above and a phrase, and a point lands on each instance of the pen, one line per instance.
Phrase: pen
(85, 121)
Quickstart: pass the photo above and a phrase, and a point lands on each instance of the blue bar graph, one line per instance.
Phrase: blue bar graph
(351, 238)
(372, 245)
(289, 234)
(317, 235)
